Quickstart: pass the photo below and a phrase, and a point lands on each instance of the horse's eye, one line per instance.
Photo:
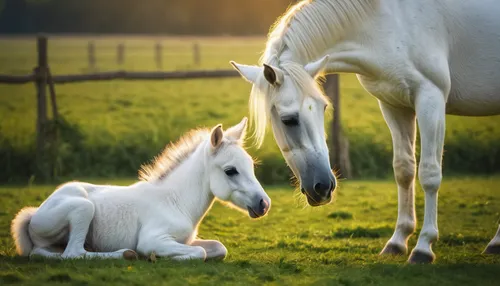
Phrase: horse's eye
(290, 121)
(231, 171)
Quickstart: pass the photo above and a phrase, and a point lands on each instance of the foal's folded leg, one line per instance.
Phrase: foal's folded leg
(171, 249)
(68, 209)
(215, 249)
(45, 252)
(494, 245)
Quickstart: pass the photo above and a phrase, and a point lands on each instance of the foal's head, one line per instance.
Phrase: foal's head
(231, 171)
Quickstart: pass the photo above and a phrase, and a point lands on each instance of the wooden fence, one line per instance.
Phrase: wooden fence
(120, 54)
(46, 134)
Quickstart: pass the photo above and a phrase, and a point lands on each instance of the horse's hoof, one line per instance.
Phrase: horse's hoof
(393, 249)
(130, 255)
(420, 257)
(492, 249)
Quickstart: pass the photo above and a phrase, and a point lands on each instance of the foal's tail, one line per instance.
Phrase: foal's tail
(19, 230)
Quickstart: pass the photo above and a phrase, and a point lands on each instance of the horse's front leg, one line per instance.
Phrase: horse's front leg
(165, 247)
(215, 249)
(401, 123)
(430, 109)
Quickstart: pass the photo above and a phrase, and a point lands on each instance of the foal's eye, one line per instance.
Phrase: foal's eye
(290, 121)
(231, 171)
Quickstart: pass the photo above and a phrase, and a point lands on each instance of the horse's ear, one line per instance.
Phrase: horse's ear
(238, 131)
(250, 73)
(216, 136)
(273, 75)
(316, 67)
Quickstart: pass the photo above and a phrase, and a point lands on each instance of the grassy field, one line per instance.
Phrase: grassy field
(115, 126)
(337, 244)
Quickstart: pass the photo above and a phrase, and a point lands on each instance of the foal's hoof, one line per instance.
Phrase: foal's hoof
(420, 257)
(393, 249)
(492, 249)
(130, 255)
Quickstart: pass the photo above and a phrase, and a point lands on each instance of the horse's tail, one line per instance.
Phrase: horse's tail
(19, 230)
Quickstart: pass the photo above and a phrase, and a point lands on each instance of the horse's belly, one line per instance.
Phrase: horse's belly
(474, 58)
(473, 104)
(474, 93)
(114, 227)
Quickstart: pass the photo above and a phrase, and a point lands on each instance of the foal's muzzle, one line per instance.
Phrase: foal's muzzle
(259, 209)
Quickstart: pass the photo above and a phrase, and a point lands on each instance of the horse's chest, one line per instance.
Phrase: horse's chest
(395, 92)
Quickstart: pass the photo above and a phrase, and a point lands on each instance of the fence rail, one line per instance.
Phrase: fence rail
(123, 75)
(46, 140)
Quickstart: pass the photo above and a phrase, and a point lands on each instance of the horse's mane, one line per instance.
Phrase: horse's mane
(305, 31)
(173, 155)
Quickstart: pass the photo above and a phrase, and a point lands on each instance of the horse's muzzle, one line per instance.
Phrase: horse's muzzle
(259, 209)
(321, 194)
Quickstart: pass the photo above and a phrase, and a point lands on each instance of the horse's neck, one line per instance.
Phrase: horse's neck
(187, 188)
(345, 44)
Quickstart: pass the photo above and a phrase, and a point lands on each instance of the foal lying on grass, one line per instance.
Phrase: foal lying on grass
(159, 214)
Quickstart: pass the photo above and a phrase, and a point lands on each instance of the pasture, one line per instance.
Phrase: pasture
(337, 244)
(111, 128)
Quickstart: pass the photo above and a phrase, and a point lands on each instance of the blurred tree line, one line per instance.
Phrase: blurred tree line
(194, 17)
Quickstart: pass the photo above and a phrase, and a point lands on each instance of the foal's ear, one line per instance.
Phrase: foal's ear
(216, 136)
(316, 67)
(250, 73)
(273, 75)
(238, 131)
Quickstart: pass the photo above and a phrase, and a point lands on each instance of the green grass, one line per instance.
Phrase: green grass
(295, 244)
(116, 126)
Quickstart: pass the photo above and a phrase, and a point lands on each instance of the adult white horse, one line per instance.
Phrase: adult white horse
(160, 214)
(420, 59)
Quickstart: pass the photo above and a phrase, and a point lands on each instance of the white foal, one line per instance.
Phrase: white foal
(160, 214)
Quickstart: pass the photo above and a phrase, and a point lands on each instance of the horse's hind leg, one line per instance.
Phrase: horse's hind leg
(80, 215)
(65, 217)
(66, 211)
(494, 245)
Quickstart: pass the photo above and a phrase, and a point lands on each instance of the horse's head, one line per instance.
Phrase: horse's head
(231, 171)
(294, 102)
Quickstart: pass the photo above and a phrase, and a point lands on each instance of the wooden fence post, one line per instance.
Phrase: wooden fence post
(196, 54)
(91, 51)
(42, 168)
(339, 145)
(120, 54)
(158, 55)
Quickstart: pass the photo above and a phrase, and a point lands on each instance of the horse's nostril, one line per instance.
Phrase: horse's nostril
(319, 187)
(324, 188)
(263, 205)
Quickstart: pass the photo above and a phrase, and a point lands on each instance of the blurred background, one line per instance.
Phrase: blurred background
(109, 128)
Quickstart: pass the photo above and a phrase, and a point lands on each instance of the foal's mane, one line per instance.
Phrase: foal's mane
(306, 31)
(173, 155)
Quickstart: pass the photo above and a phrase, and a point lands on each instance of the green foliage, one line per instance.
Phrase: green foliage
(110, 128)
(293, 244)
